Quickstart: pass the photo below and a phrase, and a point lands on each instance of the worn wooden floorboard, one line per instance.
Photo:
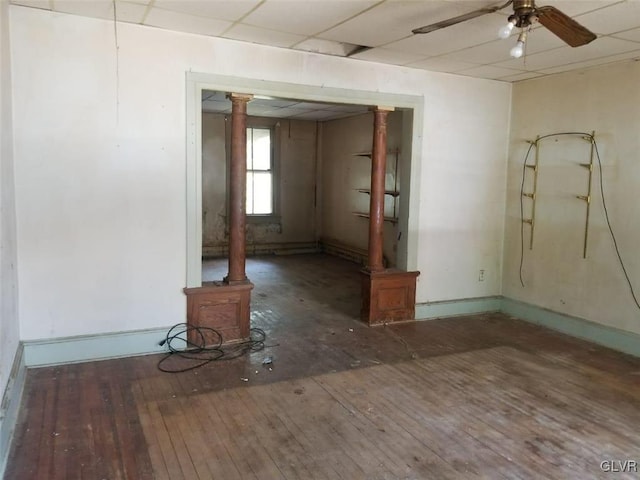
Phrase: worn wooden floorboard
(485, 396)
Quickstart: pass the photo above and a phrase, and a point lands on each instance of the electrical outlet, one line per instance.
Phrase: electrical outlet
(481, 275)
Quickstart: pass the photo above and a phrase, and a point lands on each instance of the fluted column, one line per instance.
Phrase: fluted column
(237, 188)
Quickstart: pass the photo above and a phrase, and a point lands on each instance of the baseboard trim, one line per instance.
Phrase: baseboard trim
(623, 341)
(55, 351)
(10, 406)
(37, 353)
(454, 308)
(342, 250)
(282, 248)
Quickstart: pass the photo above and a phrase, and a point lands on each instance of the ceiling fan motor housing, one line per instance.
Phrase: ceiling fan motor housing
(524, 13)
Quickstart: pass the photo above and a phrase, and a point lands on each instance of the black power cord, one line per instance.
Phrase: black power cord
(604, 206)
(200, 352)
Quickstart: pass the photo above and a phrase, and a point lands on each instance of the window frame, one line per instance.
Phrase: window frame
(273, 124)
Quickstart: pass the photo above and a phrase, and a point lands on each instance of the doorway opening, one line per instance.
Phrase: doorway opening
(312, 179)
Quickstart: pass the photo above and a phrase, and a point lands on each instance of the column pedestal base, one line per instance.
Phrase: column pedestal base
(222, 307)
(388, 296)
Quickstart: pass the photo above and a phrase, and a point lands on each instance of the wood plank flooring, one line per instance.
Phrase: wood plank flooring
(484, 396)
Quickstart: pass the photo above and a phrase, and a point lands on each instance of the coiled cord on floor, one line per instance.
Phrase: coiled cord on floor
(179, 345)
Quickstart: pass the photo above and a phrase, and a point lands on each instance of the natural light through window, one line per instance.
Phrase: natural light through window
(259, 172)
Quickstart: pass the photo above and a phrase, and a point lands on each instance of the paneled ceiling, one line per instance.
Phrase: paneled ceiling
(380, 31)
(338, 27)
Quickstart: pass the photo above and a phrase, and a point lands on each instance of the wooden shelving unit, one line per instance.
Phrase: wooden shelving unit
(366, 215)
(395, 193)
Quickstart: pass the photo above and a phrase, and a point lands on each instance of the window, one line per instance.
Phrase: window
(259, 171)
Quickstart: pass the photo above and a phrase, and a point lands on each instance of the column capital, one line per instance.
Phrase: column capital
(243, 97)
(381, 108)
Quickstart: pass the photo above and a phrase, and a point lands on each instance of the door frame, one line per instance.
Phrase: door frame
(413, 113)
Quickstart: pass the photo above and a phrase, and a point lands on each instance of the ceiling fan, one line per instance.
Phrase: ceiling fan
(525, 14)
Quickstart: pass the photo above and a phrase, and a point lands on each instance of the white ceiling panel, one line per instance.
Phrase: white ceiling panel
(130, 12)
(577, 7)
(521, 76)
(394, 20)
(305, 17)
(249, 33)
(329, 47)
(42, 4)
(619, 17)
(183, 22)
(566, 55)
(489, 71)
(339, 27)
(384, 55)
(231, 10)
(457, 37)
(94, 8)
(442, 64)
(633, 35)
(594, 62)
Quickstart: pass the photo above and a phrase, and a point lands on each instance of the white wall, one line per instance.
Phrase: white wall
(101, 194)
(8, 282)
(606, 100)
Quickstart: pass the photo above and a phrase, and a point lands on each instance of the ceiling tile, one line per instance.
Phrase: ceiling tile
(214, 106)
(539, 39)
(349, 108)
(522, 76)
(615, 18)
(130, 12)
(249, 33)
(595, 62)
(442, 64)
(43, 4)
(304, 17)
(633, 35)
(577, 7)
(287, 112)
(489, 71)
(316, 115)
(94, 8)
(329, 47)
(602, 47)
(232, 10)
(491, 52)
(457, 37)
(384, 55)
(185, 23)
(261, 110)
(393, 20)
(275, 102)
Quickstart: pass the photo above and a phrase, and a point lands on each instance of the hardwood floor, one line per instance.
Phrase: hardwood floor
(484, 396)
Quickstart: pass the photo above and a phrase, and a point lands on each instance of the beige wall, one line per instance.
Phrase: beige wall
(296, 167)
(556, 277)
(343, 173)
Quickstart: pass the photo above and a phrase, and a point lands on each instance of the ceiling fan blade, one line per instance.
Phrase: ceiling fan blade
(564, 27)
(459, 19)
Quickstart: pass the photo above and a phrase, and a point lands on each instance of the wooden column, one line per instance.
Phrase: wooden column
(376, 203)
(237, 189)
(225, 305)
(388, 294)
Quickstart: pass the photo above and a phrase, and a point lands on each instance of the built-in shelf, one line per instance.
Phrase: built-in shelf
(366, 215)
(368, 154)
(393, 193)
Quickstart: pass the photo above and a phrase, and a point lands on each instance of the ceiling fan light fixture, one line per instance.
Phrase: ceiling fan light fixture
(518, 50)
(505, 30)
